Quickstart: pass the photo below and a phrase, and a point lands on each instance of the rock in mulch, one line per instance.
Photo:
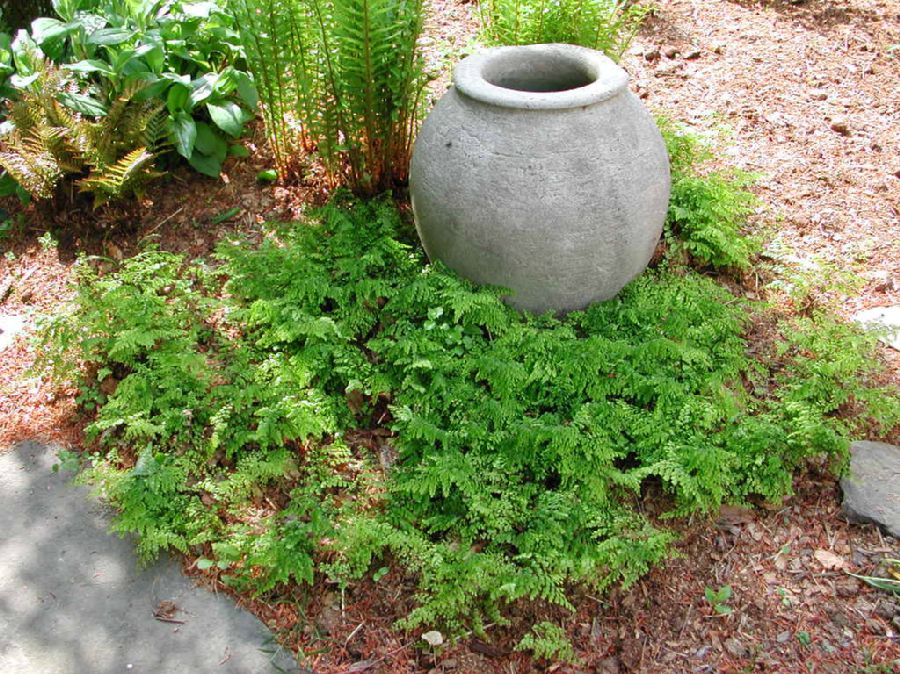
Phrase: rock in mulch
(872, 487)
(884, 319)
(839, 124)
(10, 326)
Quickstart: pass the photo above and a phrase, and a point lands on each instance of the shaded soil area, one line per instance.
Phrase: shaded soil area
(804, 95)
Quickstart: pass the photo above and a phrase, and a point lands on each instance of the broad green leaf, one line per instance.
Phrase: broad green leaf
(184, 134)
(90, 66)
(20, 82)
(209, 166)
(178, 99)
(246, 89)
(84, 104)
(8, 185)
(202, 87)
(110, 36)
(209, 142)
(154, 87)
(228, 116)
(44, 29)
(155, 58)
(179, 79)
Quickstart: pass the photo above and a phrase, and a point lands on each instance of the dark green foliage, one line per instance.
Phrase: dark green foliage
(110, 157)
(20, 13)
(342, 76)
(185, 55)
(520, 443)
(605, 25)
(707, 210)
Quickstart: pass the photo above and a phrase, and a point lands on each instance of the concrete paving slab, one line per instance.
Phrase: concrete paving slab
(73, 599)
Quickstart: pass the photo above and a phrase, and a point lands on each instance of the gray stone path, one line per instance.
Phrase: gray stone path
(74, 601)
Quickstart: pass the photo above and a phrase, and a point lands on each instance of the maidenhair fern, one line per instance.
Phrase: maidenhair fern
(340, 405)
(708, 209)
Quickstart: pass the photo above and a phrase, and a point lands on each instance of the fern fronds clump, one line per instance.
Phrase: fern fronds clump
(606, 25)
(342, 76)
(229, 416)
(110, 156)
(708, 209)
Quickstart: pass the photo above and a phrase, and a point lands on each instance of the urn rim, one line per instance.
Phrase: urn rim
(539, 77)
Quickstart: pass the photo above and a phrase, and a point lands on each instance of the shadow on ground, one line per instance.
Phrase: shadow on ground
(73, 598)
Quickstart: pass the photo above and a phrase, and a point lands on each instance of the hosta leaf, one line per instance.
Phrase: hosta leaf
(84, 104)
(178, 99)
(208, 166)
(90, 66)
(246, 89)
(44, 29)
(202, 87)
(210, 143)
(228, 116)
(184, 134)
(110, 36)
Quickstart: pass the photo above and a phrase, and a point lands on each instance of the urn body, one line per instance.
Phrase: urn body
(539, 171)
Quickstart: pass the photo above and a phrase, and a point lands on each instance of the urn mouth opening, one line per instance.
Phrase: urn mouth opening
(538, 72)
(542, 76)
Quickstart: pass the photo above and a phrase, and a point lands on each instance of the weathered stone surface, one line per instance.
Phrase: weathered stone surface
(74, 600)
(885, 319)
(872, 487)
(539, 171)
(10, 326)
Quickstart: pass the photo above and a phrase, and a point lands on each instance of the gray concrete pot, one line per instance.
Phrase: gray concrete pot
(541, 172)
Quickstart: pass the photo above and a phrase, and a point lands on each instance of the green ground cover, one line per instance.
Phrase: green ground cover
(513, 449)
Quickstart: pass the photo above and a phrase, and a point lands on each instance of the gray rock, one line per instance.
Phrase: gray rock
(539, 171)
(73, 598)
(10, 326)
(886, 320)
(872, 487)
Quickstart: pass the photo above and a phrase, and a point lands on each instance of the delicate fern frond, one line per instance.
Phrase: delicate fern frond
(125, 176)
(50, 143)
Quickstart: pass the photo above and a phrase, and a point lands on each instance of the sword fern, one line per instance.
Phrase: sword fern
(342, 76)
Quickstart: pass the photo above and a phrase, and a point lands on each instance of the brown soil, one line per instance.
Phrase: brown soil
(807, 96)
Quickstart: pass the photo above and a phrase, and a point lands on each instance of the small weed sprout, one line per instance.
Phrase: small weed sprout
(718, 600)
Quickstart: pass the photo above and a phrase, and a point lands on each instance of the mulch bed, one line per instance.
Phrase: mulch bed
(806, 95)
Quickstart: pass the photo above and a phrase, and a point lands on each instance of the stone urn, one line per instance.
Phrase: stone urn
(539, 171)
